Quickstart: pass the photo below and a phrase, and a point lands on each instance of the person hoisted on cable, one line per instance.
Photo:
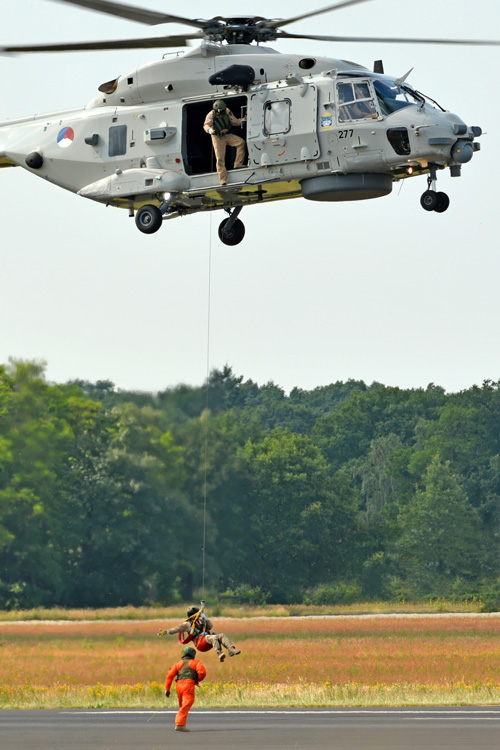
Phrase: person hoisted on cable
(197, 629)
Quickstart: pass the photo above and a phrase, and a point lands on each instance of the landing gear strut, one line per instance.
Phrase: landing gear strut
(232, 230)
(431, 200)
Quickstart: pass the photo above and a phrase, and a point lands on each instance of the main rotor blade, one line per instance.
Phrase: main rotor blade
(154, 42)
(132, 13)
(388, 40)
(337, 6)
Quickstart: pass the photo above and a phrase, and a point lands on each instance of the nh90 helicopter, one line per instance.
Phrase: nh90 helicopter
(314, 127)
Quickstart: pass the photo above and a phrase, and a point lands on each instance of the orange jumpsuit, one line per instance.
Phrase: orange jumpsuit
(185, 685)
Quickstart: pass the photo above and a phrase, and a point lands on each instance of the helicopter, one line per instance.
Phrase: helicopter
(320, 128)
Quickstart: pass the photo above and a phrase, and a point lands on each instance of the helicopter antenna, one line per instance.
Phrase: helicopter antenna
(401, 80)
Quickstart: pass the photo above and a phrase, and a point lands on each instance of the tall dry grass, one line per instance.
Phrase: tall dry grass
(328, 661)
(250, 695)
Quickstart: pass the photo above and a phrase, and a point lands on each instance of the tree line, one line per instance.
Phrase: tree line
(348, 491)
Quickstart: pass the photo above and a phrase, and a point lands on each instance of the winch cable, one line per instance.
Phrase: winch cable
(205, 472)
(209, 300)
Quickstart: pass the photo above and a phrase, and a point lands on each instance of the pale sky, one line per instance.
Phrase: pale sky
(376, 290)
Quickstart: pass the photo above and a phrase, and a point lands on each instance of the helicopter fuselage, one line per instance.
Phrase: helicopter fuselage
(320, 128)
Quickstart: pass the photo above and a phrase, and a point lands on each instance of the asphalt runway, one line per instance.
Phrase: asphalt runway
(475, 728)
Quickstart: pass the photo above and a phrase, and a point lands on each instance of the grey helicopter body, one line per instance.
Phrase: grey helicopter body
(314, 127)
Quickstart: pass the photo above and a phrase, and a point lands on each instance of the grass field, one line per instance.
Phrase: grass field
(396, 660)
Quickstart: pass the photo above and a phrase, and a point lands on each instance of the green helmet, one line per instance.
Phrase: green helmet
(188, 651)
(220, 105)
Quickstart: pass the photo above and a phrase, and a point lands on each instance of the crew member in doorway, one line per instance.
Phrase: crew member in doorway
(218, 124)
(200, 627)
(188, 672)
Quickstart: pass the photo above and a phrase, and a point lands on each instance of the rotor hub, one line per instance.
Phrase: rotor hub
(240, 30)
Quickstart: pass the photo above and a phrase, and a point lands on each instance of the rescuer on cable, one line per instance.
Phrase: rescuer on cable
(197, 628)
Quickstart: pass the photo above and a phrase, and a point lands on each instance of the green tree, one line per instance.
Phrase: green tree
(124, 485)
(439, 533)
(38, 428)
(298, 522)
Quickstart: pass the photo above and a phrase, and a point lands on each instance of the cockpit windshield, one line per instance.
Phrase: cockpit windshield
(391, 97)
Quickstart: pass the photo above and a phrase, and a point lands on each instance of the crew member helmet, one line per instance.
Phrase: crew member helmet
(188, 651)
(220, 105)
(192, 611)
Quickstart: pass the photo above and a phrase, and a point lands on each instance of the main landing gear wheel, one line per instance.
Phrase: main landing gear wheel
(235, 234)
(148, 219)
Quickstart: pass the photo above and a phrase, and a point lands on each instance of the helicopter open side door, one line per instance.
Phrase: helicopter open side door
(281, 126)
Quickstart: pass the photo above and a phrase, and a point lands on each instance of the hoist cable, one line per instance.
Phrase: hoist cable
(209, 294)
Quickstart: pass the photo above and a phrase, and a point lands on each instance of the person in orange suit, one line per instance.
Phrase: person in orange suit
(188, 672)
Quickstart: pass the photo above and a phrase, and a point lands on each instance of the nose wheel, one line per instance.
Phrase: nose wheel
(432, 200)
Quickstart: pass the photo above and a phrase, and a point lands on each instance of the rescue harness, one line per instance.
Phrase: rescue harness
(221, 124)
(198, 631)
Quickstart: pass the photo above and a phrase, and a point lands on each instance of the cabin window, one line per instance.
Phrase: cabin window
(277, 117)
(355, 101)
(117, 140)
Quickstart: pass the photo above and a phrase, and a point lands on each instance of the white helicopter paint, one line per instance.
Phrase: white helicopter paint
(323, 128)
(379, 289)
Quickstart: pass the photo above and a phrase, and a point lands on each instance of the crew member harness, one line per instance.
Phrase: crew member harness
(221, 124)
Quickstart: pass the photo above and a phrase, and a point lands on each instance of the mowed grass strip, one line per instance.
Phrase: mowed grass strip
(331, 661)
(431, 606)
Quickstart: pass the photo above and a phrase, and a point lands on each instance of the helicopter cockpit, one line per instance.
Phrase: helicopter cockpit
(393, 97)
(355, 101)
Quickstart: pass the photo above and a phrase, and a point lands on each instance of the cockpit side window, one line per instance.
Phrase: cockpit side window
(355, 101)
